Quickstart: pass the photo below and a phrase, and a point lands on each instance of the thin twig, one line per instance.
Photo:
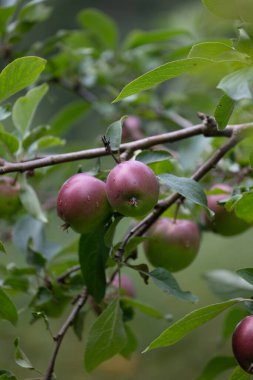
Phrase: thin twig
(170, 137)
(59, 337)
(62, 278)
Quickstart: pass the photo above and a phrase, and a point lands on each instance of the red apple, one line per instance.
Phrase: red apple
(82, 203)
(242, 343)
(132, 188)
(126, 284)
(172, 245)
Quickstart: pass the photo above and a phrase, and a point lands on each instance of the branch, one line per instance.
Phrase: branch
(82, 298)
(145, 143)
(164, 204)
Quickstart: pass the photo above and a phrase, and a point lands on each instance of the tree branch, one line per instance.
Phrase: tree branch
(145, 143)
(82, 298)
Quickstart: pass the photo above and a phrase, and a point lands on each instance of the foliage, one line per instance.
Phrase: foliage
(110, 78)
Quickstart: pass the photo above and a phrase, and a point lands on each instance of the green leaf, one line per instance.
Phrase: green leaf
(20, 73)
(6, 375)
(10, 141)
(114, 134)
(131, 345)
(239, 374)
(93, 254)
(68, 116)
(78, 324)
(46, 142)
(231, 9)
(20, 357)
(30, 201)
(187, 187)
(237, 84)
(167, 282)
(189, 322)
(139, 37)
(110, 231)
(216, 366)
(107, 337)
(25, 107)
(144, 308)
(100, 25)
(8, 310)
(33, 12)
(224, 111)
(151, 156)
(244, 207)
(162, 73)
(5, 14)
(35, 134)
(5, 111)
(246, 274)
(215, 51)
(2, 247)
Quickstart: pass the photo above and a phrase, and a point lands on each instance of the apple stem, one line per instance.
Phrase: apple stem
(133, 202)
(178, 204)
(108, 149)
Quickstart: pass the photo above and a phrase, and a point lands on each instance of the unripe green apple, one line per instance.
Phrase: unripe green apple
(172, 245)
(126, 285)
(9, 197)
(242, 343)
(82, 203)
(132, 188)
(224, 222)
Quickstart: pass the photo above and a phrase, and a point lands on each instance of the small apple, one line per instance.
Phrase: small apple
(242, 343)
(172, 245)
(131, 129)
(82, 203)
(9, 197)
(224, 222)
(126, 285)
(132, 188)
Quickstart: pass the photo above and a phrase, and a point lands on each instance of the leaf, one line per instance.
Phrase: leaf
(224, 111)
(20, 73)
(20, 357)
(216, 366)
(246, 274)
(8, 310)
(33, 12)
(93, 254)
(167, 282)
(189, 322)
(107, 337)
(144, 308)
(5, 111)
(227, 284)
(31, 202)
(68, 116)
(162, 73)
(35, 134)
(216, 51)
(114, 133)
(110, 231)
(100, 25)
(239, 374)
(78, 324)
(10, 141)
(187, 187)
(244, 207)
(6, 375)
(138, 38)
(231, 9)
(2, 247)
(131, 345)
(5, 14)
(151, 156)
(237, 84)
(46, 142)
(25, 107)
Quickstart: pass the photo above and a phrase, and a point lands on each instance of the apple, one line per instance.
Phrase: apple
(224, 222)
(132, 188)
(126, 285)
(242, 343)
(131, 129)
(82, 203)
(9, 197)
(172, 245)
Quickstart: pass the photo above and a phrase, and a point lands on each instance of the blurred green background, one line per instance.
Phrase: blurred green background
(184, 360)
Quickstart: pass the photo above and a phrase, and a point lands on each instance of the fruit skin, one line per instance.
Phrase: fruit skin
(82, 203)
(224, 222)
(9, 197)
(127, 285)
(132, 188)
(173, 245)
(242, 343)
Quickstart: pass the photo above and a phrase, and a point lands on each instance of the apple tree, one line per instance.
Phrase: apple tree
(152, 92)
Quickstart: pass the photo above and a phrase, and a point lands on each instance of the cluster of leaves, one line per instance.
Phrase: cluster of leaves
(96, 65)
